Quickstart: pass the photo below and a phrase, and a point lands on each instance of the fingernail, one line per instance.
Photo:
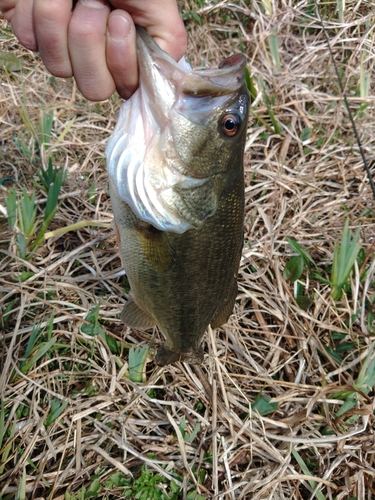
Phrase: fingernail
(95, 4)
(118, 27)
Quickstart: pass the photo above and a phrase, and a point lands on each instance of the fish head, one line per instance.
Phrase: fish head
(175, 135)
(209, 118)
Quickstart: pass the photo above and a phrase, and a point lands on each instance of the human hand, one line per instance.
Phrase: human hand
(93, 42)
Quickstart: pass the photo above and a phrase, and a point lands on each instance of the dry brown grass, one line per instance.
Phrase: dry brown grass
(270, 346)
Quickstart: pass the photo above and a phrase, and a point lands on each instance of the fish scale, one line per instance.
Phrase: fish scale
(181, 261)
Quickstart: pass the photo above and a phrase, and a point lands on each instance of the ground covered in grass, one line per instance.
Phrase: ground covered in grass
(283, 406)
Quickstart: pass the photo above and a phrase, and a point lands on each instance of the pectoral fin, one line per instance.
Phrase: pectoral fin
(156, 248)
(225, 309)
(135, 317)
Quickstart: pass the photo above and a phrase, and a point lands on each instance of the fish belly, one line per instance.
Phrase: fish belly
(182, 282)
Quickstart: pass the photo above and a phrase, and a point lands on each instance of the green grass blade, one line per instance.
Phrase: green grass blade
(319, 495)
(364, 77)
(43, 349)
(40, 236)
(366, 376)
(351, 254)
(343, 250)
(268, 7)
(261, 121)
(344, 257)
(335, 264)
(250, 84)
(67, 128)
(11, 204)
(27, 213)
(52, 199)
(303, 253)
(21, 245)
(27, 120)
(274, 49)
(46, 123)
(57, 407)
(32, 340)
(340, 9)
(74, 227)
(277, 128)
(21, 491)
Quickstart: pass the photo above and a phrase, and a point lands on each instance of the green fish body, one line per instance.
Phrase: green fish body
(175, 164)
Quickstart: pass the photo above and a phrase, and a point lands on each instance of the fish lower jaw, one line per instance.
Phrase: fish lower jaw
(166, 356)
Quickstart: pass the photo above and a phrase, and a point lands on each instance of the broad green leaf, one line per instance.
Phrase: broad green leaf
(112, 344)
(93, 490)
(22, 245)
(10, 61)
(263, 406)
(350, 402)
(305, 134)
(137, 361)
(332, 354)
(93, 328)
(294, 268)
(192, 495)
(25, 275)
(304, 302)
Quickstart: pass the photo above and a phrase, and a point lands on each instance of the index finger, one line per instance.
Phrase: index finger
(21, 19)
(51, 20)
(162, 21)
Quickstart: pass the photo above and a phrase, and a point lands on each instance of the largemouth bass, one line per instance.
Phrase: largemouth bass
(175, 164)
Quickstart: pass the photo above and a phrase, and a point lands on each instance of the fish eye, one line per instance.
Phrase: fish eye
(230, 124)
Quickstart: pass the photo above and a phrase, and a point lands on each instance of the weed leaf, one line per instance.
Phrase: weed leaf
(10, 61)
(304, 302)
(137, 361)
(263, 406)
(294, 268)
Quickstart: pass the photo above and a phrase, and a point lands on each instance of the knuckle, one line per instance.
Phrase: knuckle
(82, 30)
(49, 11)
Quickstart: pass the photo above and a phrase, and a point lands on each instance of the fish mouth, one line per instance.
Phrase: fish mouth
(163, 72)
(146, 167)
(160, 76)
